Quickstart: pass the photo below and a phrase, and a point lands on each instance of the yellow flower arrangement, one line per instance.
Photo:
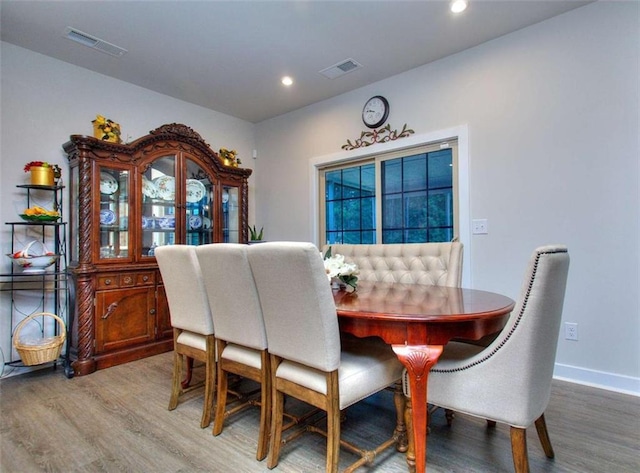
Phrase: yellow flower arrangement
(230, 157)
(106, 129)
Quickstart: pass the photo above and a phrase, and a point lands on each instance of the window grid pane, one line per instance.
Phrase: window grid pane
(417, 198)
(350, 205)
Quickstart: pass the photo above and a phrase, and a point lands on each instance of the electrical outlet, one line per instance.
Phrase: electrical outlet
(480, 226)
(571, 331)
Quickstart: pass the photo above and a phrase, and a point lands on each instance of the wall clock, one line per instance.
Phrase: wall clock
(375, 111)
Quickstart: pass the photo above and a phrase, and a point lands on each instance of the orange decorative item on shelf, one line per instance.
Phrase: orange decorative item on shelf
(229, 157)
(106, 130)
(42, 173)
(41, 176)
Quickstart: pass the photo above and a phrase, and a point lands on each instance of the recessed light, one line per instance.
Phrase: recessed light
(458, 6)
(286, 80)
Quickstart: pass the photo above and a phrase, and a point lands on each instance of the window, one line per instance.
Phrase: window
(399, 197)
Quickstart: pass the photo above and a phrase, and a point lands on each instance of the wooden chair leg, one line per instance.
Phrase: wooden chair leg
(277, 411)
(543, 434)
(221, 398)
(411, 446)
(449, 415)
(519, 450)
(175, 381)
(276, 430)
(400, 432)
(210, 382)
(265, 408)
(189, 373)
(333, 423)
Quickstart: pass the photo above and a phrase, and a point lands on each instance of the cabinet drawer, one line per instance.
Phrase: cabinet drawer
(114, 281)
(146, 278)
(110, 281)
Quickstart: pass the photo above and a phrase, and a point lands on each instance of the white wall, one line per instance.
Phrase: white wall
(45, 100)
(552, 114)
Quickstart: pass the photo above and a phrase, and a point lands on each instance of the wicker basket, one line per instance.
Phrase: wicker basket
(36, 352)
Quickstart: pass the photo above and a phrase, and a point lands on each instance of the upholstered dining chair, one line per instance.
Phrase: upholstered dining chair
(191, 321)
(307, 359)
(241, 338)
(510, 380)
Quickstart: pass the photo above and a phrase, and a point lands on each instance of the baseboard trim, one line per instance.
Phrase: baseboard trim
(598, 379)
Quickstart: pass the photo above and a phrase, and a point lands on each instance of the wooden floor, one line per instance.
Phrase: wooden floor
(117, 420)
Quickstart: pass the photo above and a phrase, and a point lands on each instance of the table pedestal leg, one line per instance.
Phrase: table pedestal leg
(418, 360)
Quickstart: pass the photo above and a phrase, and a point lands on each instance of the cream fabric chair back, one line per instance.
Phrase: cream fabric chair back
(510, 380)
(186, 294)
(438, 264)
(232, 294)
(297, 270)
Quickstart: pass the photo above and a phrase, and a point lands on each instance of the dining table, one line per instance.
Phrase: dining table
(418, 321)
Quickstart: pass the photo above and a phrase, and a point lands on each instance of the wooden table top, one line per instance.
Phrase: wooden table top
(419, 303)
(447, 312)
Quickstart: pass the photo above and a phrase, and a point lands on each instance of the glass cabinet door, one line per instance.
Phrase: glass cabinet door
(158, 205)
(230, 215)
(199, 208)
(114, 213)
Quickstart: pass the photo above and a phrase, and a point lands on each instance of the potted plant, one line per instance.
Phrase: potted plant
(255, 235)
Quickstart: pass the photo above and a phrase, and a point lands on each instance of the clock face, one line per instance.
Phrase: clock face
(375, 111)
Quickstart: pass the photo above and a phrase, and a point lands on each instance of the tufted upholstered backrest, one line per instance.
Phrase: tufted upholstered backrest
(438, 264)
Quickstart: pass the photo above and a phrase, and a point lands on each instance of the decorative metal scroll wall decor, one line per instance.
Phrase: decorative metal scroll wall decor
(382, 135)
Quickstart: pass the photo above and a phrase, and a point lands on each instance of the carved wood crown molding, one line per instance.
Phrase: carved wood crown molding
(161, 137)
(180, 130)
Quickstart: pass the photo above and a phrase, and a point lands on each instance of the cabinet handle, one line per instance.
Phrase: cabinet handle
(110, 310)
(107, 282)
(128, 280)
(152, 311)
(145, 278)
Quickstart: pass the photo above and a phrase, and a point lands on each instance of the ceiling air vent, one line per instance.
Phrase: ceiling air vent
(93, 42)
(340, 69)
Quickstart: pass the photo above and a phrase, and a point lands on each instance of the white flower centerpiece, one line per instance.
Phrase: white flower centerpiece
(339, 272)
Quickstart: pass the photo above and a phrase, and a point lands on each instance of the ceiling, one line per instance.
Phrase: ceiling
(229, 56)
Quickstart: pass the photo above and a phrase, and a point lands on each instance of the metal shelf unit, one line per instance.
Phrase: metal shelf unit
(50, 290)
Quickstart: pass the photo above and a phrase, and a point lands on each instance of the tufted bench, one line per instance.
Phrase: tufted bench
(438, 264)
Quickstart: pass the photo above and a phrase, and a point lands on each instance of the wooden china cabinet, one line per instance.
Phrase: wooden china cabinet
(168, 187)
